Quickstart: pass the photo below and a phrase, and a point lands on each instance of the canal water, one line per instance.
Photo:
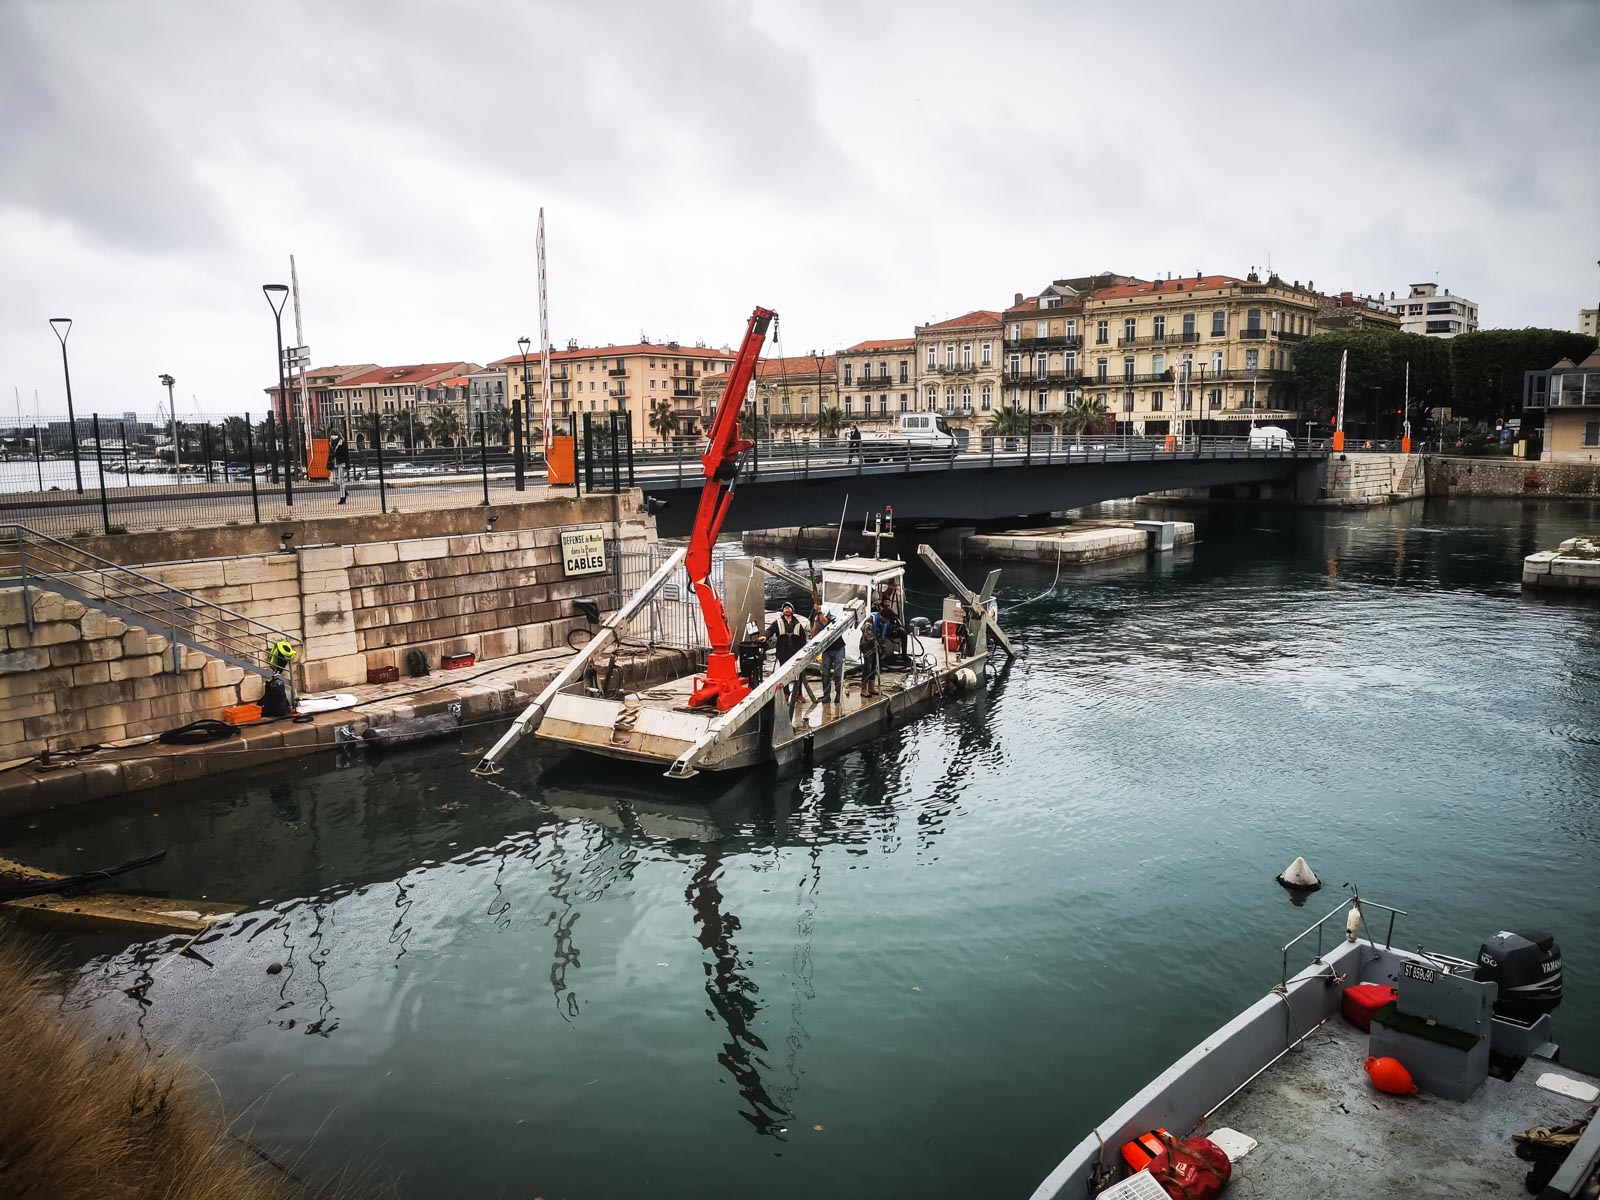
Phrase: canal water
(926, 967)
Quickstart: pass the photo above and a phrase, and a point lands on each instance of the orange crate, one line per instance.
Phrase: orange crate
(242, 714)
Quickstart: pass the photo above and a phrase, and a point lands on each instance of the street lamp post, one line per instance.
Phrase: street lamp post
(172, 414)
(62, 326)
(277, 295)
(519, 407)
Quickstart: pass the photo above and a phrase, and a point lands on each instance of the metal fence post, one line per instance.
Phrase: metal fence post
(38, 456)
(377, 442)
(288, 459)
(100, 470)
(205, 448)
(272, 449)
(588, 456)
(250, 456)
(483, 453)
(627, 426)
(22, 570)
(172, 624)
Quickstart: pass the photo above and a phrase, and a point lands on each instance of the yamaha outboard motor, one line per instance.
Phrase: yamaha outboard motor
(1526, 964)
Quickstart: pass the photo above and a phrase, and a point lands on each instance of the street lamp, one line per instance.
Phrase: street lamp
(519, 408)
(277, 295)
(63, 326)
(172, 415)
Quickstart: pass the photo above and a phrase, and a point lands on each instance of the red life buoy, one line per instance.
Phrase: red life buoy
(1388, 1075)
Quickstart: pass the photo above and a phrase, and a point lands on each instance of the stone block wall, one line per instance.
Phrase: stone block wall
(1505, 477)
(82, 677)
(1374, 478)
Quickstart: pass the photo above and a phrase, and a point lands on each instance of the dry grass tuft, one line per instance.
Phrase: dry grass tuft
(92, 1122)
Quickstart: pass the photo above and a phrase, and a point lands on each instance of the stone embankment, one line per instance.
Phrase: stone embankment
(1073, 545)
(1574, 566)
(1512, 477)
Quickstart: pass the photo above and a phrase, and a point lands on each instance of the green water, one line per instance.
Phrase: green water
(926, 967)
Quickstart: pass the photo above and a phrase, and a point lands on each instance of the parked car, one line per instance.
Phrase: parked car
(1270, 437)
(921, 435)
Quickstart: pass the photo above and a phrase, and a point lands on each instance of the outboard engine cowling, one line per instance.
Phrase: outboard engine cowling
(1526, 964)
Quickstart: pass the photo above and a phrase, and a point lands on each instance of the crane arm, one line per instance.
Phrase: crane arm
(721, 683)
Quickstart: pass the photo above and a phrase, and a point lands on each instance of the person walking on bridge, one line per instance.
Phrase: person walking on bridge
(339, 455)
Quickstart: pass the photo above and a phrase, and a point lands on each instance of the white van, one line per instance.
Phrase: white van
(1270, 437)
(923, 435)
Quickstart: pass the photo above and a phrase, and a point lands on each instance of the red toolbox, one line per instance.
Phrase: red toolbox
(451, 662)
(1361, 1000)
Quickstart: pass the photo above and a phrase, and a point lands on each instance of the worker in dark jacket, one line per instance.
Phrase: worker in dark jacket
(832, 661)
(339, 455)
(788, 633)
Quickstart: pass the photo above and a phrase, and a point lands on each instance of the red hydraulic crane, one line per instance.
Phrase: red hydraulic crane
(722, 684)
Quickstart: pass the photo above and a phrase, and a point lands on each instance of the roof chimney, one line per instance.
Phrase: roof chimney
(1018, 300)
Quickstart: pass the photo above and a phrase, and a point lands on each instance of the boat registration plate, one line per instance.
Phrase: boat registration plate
(1425, 974)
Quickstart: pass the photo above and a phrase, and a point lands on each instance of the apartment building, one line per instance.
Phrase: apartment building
(320, 384)
(638, 379)
(958, 369)
(1042, 345)
(877, 380)
(789, 392)
(390, 392)
(1569, 396)
(1429, 311)
(1203, 354)
(1589, 322)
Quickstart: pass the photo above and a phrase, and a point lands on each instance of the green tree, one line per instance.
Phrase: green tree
(444, 426)
(829, 421)
(1376, 377)
(236, 436)
(1486, 367)
(753, 426)
(498, 422)
(1083, 416)
(663, 421)
(1009, 421)
(395, 427)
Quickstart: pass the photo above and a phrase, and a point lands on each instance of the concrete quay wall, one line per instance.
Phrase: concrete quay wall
(1508, 477)
(1574, 566)
(1073, 545)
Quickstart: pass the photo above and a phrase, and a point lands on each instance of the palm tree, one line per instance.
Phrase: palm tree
(1082, 416)
(443, 426)
(394, 426)
(1009, 421)
(752, 426)
(236, 435)
(829, 421)
(663, 421)
(498, 422)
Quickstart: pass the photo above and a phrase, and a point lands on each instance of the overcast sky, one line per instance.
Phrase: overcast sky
(861, 167)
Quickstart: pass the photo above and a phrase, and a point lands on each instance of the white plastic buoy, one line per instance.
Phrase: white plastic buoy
(965, 677)
(1299, 877)
(1352, 923)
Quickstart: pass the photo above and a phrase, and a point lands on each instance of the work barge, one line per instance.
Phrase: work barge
(733, 714)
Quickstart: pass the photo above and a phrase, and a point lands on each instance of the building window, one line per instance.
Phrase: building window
(1041, 329)
(1072, 327)
(1016, 331)
(1041, 365)
(1216, 398)
(1102, 332)
(1158, 365)
(904, 402)
(988, 354)
(950, 355)
(1156, 401)
(905, 371)
(1127, 367)
(933, 398)
(1044, 399)
(1274, 320)
(849, 404)
(933, 356)
(1186, 401)
(949, 399)
(1158, 328)
(883, 370)
(1127, 401)
(1216, 363)
(1219, 323)
(966, 354)
(1100, 370)
(966, 398)
(1069, 362)
(848, 367)
(883, 405)
(1015, 365)
(1591, 433)
(1252, 319)
(987, 397)
(1252, 359)
(1130, 329)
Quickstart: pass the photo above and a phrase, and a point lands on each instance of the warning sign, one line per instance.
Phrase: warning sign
(583, 552)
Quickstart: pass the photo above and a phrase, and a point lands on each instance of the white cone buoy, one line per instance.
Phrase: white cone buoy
(966, 677)
(1299, 877)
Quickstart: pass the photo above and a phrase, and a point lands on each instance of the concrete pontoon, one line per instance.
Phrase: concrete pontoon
(1287, 1072)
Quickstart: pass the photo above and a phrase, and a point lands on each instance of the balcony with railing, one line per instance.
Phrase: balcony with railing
(956, 369)
(615, 372)
(1172, 337)
(684, 388)
(1028, 376)
(619, 392)
(1056, 341)
(1252, 335)
(1285, 336)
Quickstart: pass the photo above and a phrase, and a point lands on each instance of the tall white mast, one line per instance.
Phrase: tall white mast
(306, 415)
(544, 354)
(1338, 420)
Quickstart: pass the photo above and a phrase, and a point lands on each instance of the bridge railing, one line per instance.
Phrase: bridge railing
(829, 457)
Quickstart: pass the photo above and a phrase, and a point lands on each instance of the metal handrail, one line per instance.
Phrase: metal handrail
(143, 600)
(1360, 904)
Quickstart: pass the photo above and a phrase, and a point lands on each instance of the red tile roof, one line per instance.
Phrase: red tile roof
(971, 320)
(1167, 287)
(657, 349)
(411, 375)
(882, 344)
